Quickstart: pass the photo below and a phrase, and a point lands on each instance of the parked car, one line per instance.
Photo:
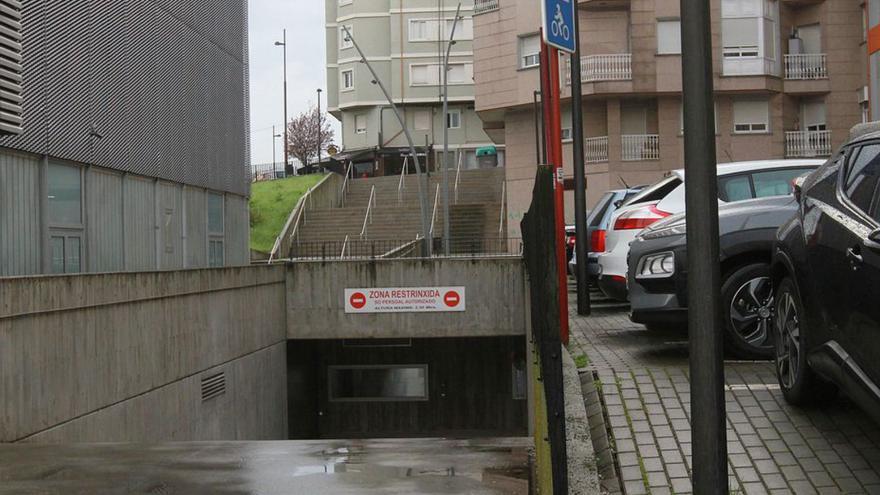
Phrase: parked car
(597, 224)
(658, 273)
(826, 270)
(737, 181)
(569, 242)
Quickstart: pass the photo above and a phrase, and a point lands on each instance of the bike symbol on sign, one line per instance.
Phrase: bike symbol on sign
(558, 26)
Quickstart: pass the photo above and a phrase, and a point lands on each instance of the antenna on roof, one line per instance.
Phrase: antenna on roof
(623, 182)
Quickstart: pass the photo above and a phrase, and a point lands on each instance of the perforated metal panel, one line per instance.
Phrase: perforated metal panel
(10, 67)
(153, 87)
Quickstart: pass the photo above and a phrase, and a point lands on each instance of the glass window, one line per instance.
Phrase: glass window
(215, 213)
(360, 124)
(216, 255)
(751, 116)
(57, 245)
(669, 37)
(453, 119)
(529, 51)
(734, 188)
(862, 177)
(740, 37)
(348, 79)
(344, 39)
(598, 213)
(776, 182)
(422, 120)
(65, 195)
(378, 383)
(66, 254)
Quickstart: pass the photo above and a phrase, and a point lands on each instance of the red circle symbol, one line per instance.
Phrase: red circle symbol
(358, 300)
(452, 299)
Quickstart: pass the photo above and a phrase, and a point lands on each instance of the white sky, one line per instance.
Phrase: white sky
(306, 71)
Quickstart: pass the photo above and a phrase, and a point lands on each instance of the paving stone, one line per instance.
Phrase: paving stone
(682, 486)
(747, 475)
(774, 481)
(653, 464)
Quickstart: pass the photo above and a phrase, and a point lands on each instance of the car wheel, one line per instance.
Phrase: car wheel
(747, 299)
(799, 384)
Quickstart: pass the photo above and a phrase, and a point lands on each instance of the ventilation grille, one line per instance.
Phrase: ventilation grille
(213, 386)
(10, 67)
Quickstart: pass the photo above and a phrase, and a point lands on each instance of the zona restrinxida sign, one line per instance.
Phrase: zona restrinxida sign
(405, 300)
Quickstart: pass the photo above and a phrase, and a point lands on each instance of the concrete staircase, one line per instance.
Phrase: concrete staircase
(396, 215)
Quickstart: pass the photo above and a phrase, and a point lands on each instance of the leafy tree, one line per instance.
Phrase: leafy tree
(302, 137)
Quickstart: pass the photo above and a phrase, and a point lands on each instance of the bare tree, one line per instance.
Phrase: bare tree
(303, 135)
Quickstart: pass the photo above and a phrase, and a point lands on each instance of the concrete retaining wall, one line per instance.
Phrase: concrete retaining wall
(494, 291)
(120, 357)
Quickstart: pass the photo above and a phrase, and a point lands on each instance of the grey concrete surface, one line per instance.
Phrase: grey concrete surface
(583, 474)
(494, 292)
(370, 467)
(75, 349)
(773, 447)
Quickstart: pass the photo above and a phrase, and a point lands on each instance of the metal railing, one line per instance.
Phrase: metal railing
(344, 246)
(401, 184)
(346, 185)
(807, 144)
(596, 149)
(597, 68)
(368, 217)
(638, 147)
(806, 66)
(353, 248)
(503, 208)
(483, 6)
(297, 217)
(434, 211)
(457, 176)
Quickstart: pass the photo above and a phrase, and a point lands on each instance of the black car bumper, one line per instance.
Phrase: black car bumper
(658, 300)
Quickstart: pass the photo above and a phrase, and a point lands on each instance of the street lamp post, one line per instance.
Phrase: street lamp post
(319, 127)
(284, 45)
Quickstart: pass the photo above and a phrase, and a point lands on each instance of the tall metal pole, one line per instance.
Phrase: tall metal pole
(283, 43)
(446, 133)
(319, 127)
(708, 416)
(423, 206)
(580, 183)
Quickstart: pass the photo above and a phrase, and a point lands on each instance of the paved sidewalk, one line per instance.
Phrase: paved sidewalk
(773, 447)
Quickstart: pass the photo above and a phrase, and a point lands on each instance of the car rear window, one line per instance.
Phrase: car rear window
(761, 184)
(599, 211)
(656, 192)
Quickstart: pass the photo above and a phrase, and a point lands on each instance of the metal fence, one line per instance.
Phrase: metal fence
(403, 248)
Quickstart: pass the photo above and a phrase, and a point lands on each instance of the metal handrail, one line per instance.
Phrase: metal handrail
(401, 184)
(295, 219)
(344, 245)
(434, 213)
(503, 206)
(369, 215)
(345, 184)
(458, 175)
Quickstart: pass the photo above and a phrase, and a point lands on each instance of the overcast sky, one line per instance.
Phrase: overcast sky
(306, 72)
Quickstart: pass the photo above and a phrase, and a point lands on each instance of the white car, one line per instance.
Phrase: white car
(737, 181)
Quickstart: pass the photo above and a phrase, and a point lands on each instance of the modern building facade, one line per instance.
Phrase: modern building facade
(400, 40)
(134, 151)
(790, 81)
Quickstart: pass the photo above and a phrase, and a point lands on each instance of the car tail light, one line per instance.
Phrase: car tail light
(597, 241)
(571, 241)
(639, 218)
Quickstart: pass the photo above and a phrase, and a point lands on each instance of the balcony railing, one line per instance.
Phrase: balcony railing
(597, 68)
(638, 147)
(806, 66)
(806, 144)
(483, 6)
(596, 149)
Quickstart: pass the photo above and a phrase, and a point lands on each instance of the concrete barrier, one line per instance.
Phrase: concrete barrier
(121, 357)
(494, 292)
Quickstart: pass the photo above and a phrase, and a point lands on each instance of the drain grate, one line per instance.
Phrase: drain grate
(213, 386)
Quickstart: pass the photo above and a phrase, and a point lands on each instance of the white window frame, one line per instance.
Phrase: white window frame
(363, 129)
(566, 134)
(449, 118)
(672, 51)
(343, 44)
(750, 127)
(417, 114)
(525, 58)
(433, 23)
(342, 86)
(434, 72)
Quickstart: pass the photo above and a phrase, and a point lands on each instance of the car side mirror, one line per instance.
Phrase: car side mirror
(797, 186)
(873, 241)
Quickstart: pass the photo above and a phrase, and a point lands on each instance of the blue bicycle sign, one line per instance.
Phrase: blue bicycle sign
(558, 21)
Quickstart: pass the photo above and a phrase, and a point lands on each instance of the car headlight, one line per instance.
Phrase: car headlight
(672, 230)
(660, 265)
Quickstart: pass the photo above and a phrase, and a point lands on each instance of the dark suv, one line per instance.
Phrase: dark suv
(826, 270)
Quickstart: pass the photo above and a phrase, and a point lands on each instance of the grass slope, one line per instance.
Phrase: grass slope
(271, 204)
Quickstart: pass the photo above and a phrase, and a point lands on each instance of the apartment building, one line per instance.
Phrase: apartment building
(132, 151)
(400, 40)
(790, 80)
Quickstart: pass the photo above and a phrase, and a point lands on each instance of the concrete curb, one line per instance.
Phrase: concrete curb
(583, 475)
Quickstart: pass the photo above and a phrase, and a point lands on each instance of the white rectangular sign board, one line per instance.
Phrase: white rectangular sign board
(405, 300)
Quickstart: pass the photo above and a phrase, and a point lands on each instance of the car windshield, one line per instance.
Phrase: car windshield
(656, 192)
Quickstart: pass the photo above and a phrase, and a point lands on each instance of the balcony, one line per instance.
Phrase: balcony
(639, 147)
(599, 68)
(483, 6)
(806, 67)
(807, 144)
(596, 149)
